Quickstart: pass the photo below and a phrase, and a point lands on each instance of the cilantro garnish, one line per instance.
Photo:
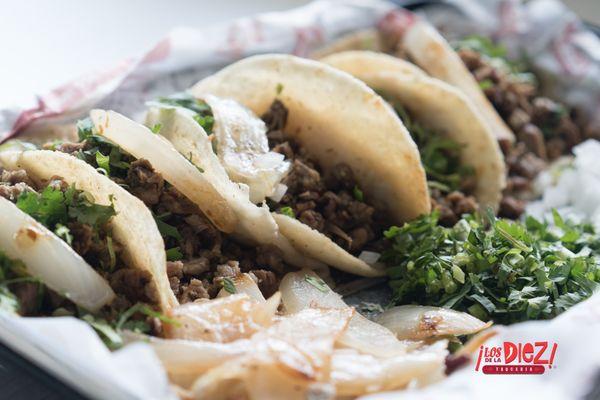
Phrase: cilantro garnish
(440, 156)
(110, 330)
(105, 156)
(358, 194)
(156, 128)
(174, 254)
(228, 285)
(53, 208)
(496, 55)
(287, 211)
(166, 230)
(203, 116)
(498, 269)
(317, 282)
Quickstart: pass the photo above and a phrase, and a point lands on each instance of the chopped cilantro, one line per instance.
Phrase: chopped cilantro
(174, 254)
(496, 269)
(228, 285)
(14, 271)
(358, 194)
(109, 335)
(203, 116)
(166, 230)
(486, 84)
(102, 154)
(103, 163)
(496, 55)
(317, 282)
(156, 128)
(55, 209)
(287, 211)
(440, 156)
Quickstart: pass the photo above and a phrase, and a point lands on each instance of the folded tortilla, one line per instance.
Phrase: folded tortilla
(337, 119)
(437, 106)
(424, 45)
(133, 227)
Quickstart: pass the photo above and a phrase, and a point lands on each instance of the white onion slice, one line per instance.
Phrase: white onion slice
(422, 322)
(362, 334)
(288, 360)
(223, 319)
(370, 257)
(279, 192)
(243, 148)
(185, 360)
(50, 259)
(139, 141)
(244, 284)
(355, 374)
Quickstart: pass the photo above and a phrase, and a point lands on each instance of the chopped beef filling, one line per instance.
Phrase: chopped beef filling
(208, 255)
(202, 255)
(330, 202)
(544, 129)
(91, 243)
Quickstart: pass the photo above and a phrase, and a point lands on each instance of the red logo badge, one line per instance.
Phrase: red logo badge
(529, 358)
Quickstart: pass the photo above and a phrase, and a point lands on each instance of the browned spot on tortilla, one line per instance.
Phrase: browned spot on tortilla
(27, 237)
(429, 324)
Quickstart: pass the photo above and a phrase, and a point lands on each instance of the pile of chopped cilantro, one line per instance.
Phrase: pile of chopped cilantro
(501, 270)
(496, 55)
(203, 113)
(440, 156)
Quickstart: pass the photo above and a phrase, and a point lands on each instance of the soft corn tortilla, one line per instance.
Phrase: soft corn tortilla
(338, 119)
(255, 223)
(438, 106)
(428, 49)
(423, 44)
(133, 226)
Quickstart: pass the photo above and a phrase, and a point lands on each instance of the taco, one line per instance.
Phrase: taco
(458, 149)
(354, 168)
(71, 239)
(211, 231)
(424, 46)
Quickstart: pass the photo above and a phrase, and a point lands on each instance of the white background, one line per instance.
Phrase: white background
(45, 43)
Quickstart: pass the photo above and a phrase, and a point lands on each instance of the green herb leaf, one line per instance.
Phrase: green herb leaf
(287, 211)
(203, 116)
(107, 333)
(358, 194)
(174, 254)
(279, 88)
(156, 128)
(317, 282)
(441, 156)
(103, 162)
(167, 230)
(486, 84)
(228, 285)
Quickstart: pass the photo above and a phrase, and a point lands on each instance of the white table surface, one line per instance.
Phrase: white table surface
(47, 42)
